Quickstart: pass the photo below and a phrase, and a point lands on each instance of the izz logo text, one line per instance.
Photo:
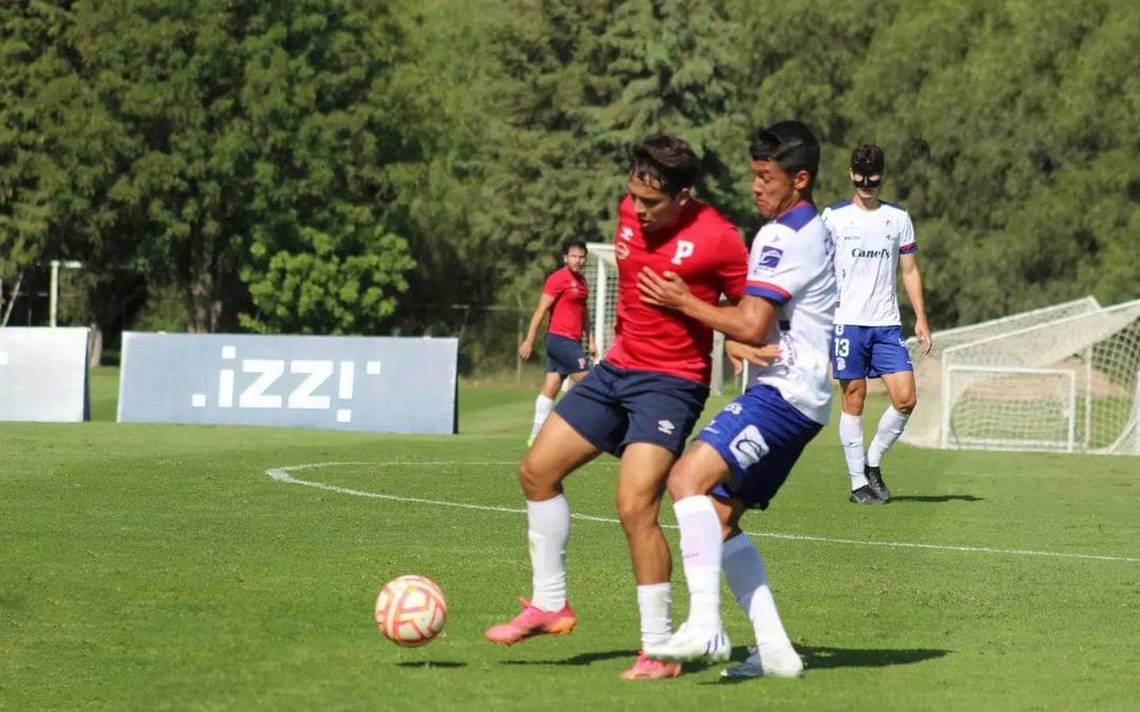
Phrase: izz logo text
(306, 395)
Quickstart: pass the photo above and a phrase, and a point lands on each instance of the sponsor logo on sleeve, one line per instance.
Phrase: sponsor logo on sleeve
(769, 257)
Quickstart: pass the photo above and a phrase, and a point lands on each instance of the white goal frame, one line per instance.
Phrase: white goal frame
(1099, 349)
(1068, 409)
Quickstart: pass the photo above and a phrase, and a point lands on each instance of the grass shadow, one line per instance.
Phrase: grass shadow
(580, 659)
(817, 657)
(938, 498)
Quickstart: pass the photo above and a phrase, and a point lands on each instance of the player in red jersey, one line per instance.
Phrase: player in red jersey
(640, 402)
(564, 296)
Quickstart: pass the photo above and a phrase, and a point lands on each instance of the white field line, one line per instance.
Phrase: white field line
(281, 474)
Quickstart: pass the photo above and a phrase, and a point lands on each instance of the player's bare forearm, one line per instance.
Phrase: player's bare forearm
(912, 282)
(736, 322)
(545, 302)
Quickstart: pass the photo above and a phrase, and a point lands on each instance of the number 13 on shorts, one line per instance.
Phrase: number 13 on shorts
(841, 347)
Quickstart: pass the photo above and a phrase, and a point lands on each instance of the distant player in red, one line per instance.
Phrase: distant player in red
(564, 296)
(640, 402)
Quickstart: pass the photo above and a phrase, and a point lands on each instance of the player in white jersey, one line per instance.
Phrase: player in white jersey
(873, 239)
(744, 455)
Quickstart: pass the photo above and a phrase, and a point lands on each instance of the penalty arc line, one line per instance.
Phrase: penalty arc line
(281, 474)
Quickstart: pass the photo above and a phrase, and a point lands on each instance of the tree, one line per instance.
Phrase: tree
(1009, 131)
(587, 78)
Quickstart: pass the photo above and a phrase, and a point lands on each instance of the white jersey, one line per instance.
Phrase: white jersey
(791, 265)
(867, 248)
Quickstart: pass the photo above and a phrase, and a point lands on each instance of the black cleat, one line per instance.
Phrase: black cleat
(865, 495)
(875, 482)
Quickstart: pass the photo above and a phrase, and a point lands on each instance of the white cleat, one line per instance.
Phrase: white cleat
(784, 663)
(693, 643)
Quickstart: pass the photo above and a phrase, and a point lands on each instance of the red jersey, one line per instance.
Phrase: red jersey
(706, 250)
(569, 312)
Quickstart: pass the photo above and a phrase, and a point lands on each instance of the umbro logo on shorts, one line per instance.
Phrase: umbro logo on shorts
(666, 426)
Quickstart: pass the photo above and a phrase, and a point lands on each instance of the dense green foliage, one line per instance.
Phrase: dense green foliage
(362, 166)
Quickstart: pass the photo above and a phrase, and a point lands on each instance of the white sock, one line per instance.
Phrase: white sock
(548, 528)
(542, 408)
(653, 601)
(851, 436)
(748, 579)
(700, 552)
(890, 428)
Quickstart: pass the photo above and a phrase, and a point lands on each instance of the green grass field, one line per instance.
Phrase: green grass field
(161, 567)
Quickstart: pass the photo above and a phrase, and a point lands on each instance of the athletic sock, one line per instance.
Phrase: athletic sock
(548, 529)
(653, 602)
(542, 408)
(701, 553)
(851, 437)
(748, 580)
(891, 426)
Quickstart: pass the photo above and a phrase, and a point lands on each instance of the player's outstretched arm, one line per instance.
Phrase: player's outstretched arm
(912, 282)
(748, 321)
(545, 302)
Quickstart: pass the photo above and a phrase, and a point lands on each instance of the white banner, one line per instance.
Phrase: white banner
(376, 384)
(43, 374)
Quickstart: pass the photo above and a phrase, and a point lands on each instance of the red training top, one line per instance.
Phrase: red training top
(569, 312)
(705, 250)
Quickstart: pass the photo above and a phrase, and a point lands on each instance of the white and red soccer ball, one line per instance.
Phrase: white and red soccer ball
(411, 610)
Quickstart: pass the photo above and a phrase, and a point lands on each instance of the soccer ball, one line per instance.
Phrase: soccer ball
(410, 610)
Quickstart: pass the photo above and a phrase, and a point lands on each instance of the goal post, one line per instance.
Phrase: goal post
(1009, 408)
(1007, 390)
(924, 429)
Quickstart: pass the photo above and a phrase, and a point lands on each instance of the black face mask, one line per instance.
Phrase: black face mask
(865, 171)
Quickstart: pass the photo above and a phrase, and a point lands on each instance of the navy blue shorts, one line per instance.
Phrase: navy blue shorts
(760, 436)
(564, 355)
(612, 407)
(868, 351)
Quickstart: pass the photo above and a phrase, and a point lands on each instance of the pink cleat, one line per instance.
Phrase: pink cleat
(531, 622)
(647, 668)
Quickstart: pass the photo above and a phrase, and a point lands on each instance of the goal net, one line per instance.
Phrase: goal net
(1068, 382)
(924, 429)
(601, 269)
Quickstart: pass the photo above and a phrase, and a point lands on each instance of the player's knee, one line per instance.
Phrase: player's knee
(635, 513)
(853, 402)
(681, 486)
(534, 485)
(905, 403)
(854, 394)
